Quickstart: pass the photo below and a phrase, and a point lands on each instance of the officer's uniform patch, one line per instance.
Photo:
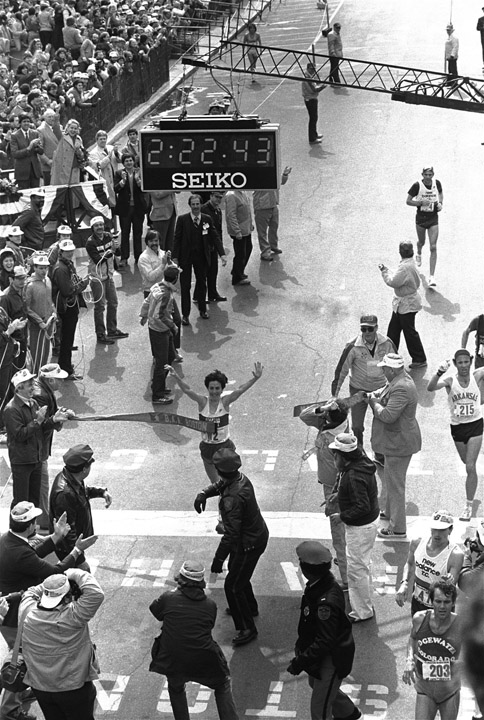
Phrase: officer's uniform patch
(324, 612)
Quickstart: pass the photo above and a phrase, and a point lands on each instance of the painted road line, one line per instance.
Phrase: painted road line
(286, 525)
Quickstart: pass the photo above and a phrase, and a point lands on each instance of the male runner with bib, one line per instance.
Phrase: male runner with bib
(466, 424)
(428, 560)
(432, 655)
(427, 196)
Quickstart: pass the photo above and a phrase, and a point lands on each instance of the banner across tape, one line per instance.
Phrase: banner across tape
(161, 418)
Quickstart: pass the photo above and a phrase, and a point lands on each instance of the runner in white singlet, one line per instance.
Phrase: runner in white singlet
(215, 408)
(466, 422)
(429, 560)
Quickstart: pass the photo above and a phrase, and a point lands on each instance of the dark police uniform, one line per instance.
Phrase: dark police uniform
(325, 647)
(243, 542)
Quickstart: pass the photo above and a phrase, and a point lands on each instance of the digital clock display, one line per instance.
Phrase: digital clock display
(210, 157)
(234, 151)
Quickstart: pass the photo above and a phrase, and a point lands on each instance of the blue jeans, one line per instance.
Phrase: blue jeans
(223, 697)
(104, 293)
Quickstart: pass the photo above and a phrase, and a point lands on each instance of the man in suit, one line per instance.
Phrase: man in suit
(49, 133)
(395, 434)
(26, 146)
(195, 235)
(131, 207)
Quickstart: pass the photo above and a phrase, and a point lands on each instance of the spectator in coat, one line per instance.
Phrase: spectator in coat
(132, 146)
(131, 207)
(330, 419)
(40, 311)
(212, 208)
(395, 434)
(45, 385)
(69, 157)
(163, 217)
(186, 651)
(30, 222)
(239, 226)
(67, 289)
(24, 421)
(26, 146)
(101, 247)
(70, 494)
(22, 565)
(104, 159)
(13, 302)
(335, 52)
(62, 682)
(356, 505)
(195, 235)
(9, 349)
(72, 38)
(50, 134)
(406, 303)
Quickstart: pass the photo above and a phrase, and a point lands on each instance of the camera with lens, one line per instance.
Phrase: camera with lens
(473, 545)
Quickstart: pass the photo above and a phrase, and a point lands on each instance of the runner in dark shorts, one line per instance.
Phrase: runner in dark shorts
(427, 196)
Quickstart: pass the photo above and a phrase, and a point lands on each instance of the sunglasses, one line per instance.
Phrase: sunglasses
(367, 328)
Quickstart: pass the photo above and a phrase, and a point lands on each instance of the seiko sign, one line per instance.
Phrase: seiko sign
(208, 181)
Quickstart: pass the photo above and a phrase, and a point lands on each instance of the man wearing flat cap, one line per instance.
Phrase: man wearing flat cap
(185, 651)
(71, 495)
(360, 359)
(45, 385)
(244, 540)
(395, 434)
(325, 647)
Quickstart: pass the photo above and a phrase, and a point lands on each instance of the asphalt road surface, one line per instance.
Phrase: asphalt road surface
(342, 212)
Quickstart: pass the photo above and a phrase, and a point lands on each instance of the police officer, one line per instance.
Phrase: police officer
(244, 540)
(325, 647)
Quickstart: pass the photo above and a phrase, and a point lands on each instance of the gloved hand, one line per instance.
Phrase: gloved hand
(200, 502)
(217, 566)
(294, 667)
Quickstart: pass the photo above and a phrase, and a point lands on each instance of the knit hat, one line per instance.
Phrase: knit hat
(193, 570)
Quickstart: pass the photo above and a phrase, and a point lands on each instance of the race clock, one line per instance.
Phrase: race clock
(210, 153)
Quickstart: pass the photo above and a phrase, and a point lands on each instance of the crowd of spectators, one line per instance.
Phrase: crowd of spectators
(56, 56)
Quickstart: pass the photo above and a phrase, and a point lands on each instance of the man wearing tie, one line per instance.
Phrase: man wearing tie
(195, 235)
(26, 146)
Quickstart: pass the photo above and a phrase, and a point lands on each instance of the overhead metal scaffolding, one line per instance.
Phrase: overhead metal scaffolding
(404, 84)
